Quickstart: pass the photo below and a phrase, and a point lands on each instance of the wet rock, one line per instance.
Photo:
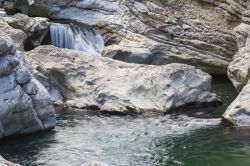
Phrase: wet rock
(25, 105)
(4, 162)
(83, 81)
(154, 32)
(36, 28)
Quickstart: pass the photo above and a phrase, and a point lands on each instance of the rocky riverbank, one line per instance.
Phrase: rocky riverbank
(150, 32)
(156, 56)
(88, 82)
(156, 35)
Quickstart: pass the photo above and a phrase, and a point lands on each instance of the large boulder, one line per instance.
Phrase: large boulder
(83, 81)
(35, 28)
(239, 68)
(238, 112)
(17, 35)
(25, 105)
(152, 32)
(4, 162)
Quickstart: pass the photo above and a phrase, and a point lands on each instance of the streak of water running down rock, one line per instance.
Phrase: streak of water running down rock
(72, 36)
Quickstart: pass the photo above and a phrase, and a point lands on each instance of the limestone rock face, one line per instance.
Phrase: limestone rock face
(239, 68)
(18, 36)
(36, 28)
(4, 162)
(238, 112)
(83, 81)
(196, 32)
(25, 105)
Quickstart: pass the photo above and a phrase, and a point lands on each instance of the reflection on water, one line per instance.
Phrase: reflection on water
(225, 90)
(211, 147)
(171, 140)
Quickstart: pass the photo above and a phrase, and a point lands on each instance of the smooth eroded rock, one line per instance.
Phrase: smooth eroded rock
(83, 81)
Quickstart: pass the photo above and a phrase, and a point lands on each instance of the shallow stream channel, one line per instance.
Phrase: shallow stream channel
(194, 137)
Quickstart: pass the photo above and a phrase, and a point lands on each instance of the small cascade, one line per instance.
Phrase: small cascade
(72, 36)
(2, 12)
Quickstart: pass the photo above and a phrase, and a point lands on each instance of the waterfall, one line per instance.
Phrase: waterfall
(72, 36)
(2, 12)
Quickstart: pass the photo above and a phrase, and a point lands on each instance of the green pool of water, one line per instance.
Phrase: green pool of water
(170, 140)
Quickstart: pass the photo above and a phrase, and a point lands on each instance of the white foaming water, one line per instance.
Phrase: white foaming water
(78, 38)
(2, 12)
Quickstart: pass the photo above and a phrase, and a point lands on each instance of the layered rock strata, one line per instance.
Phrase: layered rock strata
(151, 32)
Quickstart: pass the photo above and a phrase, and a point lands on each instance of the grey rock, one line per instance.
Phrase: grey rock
(238, 113)
(239, 68)
(6, 45)
(7, 83)
(6, 64)
(25, 105)
(154, 32)
(81, 81)
(18, 36)
(35, 28)
(22, 75)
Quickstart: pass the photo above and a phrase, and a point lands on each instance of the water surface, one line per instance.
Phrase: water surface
(169, 140)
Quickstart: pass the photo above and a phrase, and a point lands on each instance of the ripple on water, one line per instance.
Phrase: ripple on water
(137, 141)
(115, 140)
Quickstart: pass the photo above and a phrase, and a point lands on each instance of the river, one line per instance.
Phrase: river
(178, 139)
